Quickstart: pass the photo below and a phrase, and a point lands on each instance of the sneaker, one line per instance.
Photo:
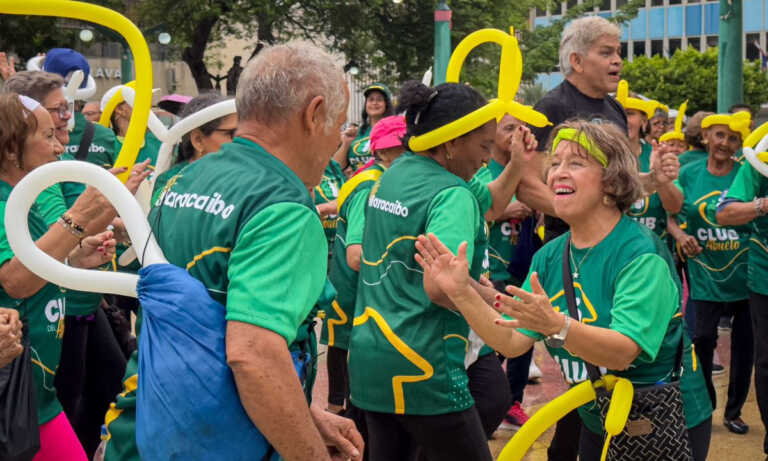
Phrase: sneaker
(737, 425)
(534, 372)
(717, 369)
(514, 418)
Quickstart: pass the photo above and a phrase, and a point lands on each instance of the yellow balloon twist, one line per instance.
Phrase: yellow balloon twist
(510, 74)
(108, 18)
(113, 102)
(578, 395)
(677, 133)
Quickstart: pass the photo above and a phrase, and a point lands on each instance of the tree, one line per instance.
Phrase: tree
(690, 75)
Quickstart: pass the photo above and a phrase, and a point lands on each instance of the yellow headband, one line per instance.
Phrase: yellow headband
(581, 138)
(678, 131)
(647, 107)
(510, 73)
(738, 122)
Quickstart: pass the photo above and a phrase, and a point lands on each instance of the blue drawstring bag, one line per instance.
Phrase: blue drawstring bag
(187, 405)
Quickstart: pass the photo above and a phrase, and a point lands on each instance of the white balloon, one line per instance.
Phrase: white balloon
(23, 196)
(35, 63)
(73, 84)
(84, 94)
(751, 156)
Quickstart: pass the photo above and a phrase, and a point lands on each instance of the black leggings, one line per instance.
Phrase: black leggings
(89, 375)
(338, 376)
(758, 304)
(489, 388)
(591, 444)
(452, 436)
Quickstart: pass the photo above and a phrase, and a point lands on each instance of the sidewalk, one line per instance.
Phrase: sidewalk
(724, 446)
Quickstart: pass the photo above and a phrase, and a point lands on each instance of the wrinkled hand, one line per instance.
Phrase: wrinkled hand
(522, 145)
(531, 311)
(139, 173)
(348, 135)
(664, 164)
(121, 233)
(689, 245)
(10, 336)
(443, 272)
(339, 434)
(7, 66)
(94, 251)
(518, 210)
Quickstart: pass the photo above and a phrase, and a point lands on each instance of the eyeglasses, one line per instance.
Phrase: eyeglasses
(227, 132)
(91, 113)
(62, 110)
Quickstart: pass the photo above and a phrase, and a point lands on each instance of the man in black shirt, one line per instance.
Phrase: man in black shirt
(590, 59)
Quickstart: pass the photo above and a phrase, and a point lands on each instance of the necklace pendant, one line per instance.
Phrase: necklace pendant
(575, 275)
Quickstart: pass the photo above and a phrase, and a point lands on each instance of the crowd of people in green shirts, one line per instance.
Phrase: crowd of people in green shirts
(419, 251)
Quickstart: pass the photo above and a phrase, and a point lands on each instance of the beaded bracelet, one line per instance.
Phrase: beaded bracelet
(759, 206)
(74, 228)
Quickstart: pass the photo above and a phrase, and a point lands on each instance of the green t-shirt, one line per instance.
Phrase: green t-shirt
(249, 233)
(42, 313)
(649, 210)
(359, 151)
(719, 272)
(337, 325)
(407, 354)
(501, 248)
(626, 283)
(51, 204)
(327, 191)
(748, 185)
(691, 156)
(163, 178)
(102, 150)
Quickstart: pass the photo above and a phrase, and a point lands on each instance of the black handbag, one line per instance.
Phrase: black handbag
(19, 432)
(655, 427)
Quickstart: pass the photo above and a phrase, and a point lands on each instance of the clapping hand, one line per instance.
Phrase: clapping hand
(531, 311)
(444, 272)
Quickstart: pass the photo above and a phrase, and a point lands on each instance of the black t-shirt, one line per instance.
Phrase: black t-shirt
(566, 102)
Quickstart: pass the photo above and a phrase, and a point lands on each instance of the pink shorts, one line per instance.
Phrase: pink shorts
(58, 442)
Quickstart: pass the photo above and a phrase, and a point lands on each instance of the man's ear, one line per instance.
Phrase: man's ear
(314, 115)
(576, 62)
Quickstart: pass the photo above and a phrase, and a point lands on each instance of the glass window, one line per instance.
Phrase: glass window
(693, 20)
(657, 47)
(624, 50)
(675, 2)
(657, 2)
(656, 22)
(540, 12)
(605, 5)
(753, 42)
(694, 42)
(712, 41)
(571, 3)
(693, 1)
(674, 45)
(638, 48)
(620, 3)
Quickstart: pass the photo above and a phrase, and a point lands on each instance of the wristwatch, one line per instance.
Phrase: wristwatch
(557, 340)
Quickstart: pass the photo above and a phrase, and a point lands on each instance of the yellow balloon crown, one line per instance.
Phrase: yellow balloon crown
(738, 122)
(678, 131)
(648, 107)
(510, 74)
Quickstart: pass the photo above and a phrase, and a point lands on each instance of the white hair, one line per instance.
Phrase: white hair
(580, 35)
(282, 79)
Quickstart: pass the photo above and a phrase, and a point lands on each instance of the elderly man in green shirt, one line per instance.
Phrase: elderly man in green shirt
(243, 223)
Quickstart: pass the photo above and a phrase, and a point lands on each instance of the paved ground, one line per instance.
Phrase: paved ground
(724, 446)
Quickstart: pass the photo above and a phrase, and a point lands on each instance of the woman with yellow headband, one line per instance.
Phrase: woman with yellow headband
(717, 260)
(407, 351)
(626, 292)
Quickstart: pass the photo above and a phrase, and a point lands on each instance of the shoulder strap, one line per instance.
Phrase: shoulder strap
(570, 296)
(85, 142)
(371, 174)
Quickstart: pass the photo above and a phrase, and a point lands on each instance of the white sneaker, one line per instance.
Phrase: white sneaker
(534, 372)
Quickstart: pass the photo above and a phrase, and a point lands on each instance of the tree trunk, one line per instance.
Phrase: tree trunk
(194, 53)
(264, 35)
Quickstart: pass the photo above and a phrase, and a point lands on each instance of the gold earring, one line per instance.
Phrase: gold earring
(607, 201)
(448, 156)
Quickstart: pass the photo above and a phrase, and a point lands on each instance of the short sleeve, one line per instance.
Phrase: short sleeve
(745, 186)
(481, 192)
(51, 203)
(453, 216)
(356, 217)
(5, 249)
(265, 287)
(645, 299)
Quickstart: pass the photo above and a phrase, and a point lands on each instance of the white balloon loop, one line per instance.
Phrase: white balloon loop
(23, 196)
(751, 156)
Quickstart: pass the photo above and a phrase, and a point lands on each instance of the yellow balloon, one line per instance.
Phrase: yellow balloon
(108, 18)
(113, 102)
(756, 135)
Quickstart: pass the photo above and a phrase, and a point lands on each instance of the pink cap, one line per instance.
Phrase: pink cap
(387, 133)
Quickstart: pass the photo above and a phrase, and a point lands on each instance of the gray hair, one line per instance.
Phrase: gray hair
(580, 35)
(33, 83)
(281, 79)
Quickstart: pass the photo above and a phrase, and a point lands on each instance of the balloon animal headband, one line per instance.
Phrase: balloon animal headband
(738, 122)
(108, 18)
(677, 133)
(648, 107)
(510, 73)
